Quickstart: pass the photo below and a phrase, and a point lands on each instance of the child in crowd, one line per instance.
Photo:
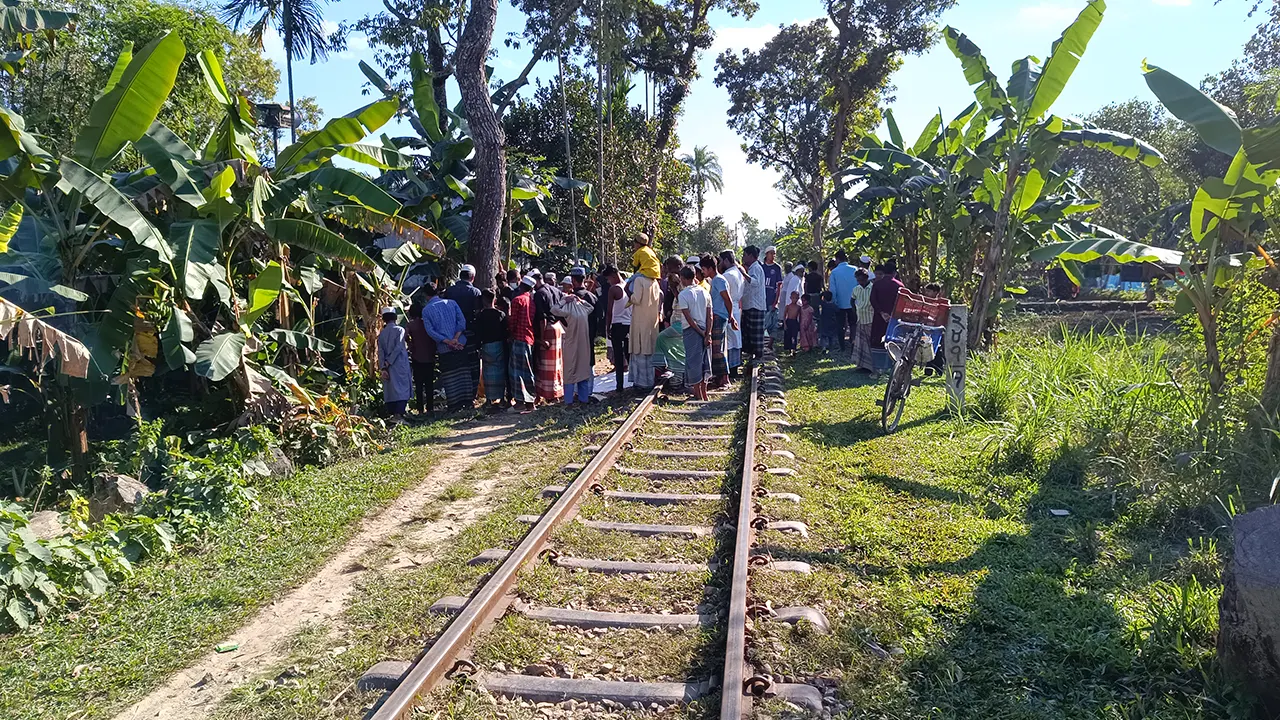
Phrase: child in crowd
(808, 325)
(935, 367)
(830, 320)
(866, 316)
(791, 323)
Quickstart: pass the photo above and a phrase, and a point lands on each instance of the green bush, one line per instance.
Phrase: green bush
(1135, 406)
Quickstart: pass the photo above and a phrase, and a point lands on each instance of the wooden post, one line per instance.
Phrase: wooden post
(957, 354)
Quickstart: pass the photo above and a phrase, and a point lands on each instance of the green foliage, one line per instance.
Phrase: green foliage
(1135, 406)
(38, 576)
(82, 61)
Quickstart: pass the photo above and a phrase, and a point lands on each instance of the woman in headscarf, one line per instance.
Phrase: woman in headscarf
(393, 361)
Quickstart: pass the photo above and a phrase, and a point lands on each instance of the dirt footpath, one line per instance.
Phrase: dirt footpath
(194, 692)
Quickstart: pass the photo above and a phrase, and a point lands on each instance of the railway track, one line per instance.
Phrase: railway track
(692, 476)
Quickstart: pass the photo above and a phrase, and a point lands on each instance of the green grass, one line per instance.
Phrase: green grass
(171, 612)
(953, 592)
(388, 616)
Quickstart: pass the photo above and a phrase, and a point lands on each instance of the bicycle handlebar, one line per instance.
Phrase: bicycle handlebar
(921, 325)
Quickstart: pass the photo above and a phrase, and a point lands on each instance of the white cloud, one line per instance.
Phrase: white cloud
(273, 47)
(1046, 15)
(751, 38)
(738, 38)
(357, 43)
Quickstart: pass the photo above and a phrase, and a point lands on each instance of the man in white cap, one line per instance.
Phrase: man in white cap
(393, 364)
(772, 290)
(467, 296)
(520, 330)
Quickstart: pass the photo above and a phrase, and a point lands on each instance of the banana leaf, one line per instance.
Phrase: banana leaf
(195, 245)
(351, 128)
(1065, 56)
(220, 355)
(123, 115)
(111, 203)
(1216, 124)
(986, 87)
(318, 239)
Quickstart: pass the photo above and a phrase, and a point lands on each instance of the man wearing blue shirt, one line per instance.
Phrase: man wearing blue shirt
(446, 325)
(842, 282)
(467, 297)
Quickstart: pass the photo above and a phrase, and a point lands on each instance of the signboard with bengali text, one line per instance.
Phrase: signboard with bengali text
(956, 352)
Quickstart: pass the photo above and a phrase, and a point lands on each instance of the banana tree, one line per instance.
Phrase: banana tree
(1228, 217)
(82, 225)
(1225, 223)
(1027, 143)
(20, 22)
(924, 187)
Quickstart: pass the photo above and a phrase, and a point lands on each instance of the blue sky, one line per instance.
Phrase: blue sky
(1188, 37)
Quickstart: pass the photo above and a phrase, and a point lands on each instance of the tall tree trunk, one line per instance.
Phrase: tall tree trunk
(491, 160)
(600, 118)
(911, 254)
(933, 246)
(568, 154)
(698, 187)
(439, 74)
(669, 109)
(993, 265)
(68, 437)
(818, 230)
(288, 65)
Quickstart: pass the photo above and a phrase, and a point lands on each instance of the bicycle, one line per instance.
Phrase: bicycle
(905, 355)
(914, 320)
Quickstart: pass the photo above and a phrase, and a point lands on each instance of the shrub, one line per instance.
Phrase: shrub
(1134, 406)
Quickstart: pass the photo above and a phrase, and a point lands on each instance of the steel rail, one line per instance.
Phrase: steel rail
(434, 663)
(735, 703)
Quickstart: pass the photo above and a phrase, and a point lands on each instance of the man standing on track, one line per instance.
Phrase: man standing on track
(549, 334)
(646, 306)
(772, 288)
(793, 283)
(753, 306)
(722, 310)
(618, 320)
(734, 277)
(842, 284)
(579, 371)
(520, 328)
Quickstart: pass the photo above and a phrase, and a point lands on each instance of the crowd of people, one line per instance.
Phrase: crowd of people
(688, 323)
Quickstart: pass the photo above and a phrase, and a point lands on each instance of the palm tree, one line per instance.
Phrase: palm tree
(300, 24)
(706, 174)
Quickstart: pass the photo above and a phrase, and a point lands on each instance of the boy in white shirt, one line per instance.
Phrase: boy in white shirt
(695, 305)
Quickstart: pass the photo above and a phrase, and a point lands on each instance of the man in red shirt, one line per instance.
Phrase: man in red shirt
(520, 327)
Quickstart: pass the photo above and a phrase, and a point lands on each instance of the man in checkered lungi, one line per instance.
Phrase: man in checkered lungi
(550, 379)
(753, 304)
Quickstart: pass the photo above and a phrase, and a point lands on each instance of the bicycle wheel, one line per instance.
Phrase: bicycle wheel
(895, 395)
